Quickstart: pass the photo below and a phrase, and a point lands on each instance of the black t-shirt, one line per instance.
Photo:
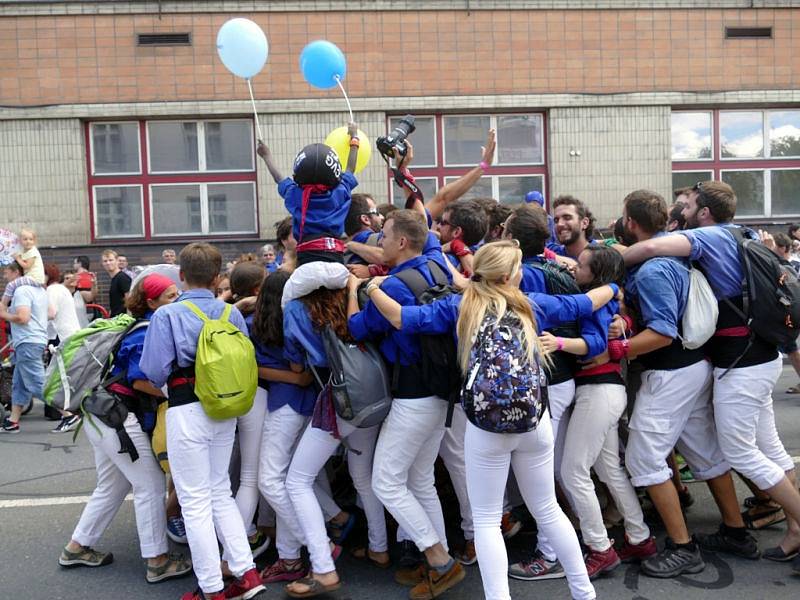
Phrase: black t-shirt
(120, 285)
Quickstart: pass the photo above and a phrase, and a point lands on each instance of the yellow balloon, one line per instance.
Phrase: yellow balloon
(340, 142)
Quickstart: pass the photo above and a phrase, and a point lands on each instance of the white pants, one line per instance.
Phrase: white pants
(452, 452)
(530, 455)
(746, 423)
(116, 475)
(250, 428)
(313, 451)
(402, 475)
(593, 440)
(199, 454)
(673, 408)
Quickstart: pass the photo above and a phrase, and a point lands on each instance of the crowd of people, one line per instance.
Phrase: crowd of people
(574, 368)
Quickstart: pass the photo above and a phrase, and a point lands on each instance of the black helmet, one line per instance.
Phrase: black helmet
(317, 164)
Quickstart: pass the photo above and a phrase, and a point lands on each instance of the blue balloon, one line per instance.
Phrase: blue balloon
(242, 47)
(321, 62)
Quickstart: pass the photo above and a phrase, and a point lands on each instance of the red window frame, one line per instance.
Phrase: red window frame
(145, 179)
(440, 171)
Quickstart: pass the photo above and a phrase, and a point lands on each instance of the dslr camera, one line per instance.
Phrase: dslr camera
(394, 144)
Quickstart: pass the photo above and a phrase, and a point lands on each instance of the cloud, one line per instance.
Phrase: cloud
(691, 134)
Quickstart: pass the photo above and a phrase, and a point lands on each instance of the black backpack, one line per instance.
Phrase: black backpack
(770, 292)
(440, 371)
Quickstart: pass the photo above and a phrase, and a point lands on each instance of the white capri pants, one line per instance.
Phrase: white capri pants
(530, 455)
(117, 474)
(673, 408)
(746, 423)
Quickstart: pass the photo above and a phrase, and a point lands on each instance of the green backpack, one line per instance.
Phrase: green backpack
(225, 371)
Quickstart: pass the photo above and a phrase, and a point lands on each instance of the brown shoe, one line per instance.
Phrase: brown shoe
(435, 583)
(410, 576)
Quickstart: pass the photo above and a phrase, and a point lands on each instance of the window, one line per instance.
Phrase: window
(448, 146)
(199, 178)
(757, 152)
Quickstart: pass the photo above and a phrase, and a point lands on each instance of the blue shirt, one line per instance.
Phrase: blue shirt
(659, 289)
(303, 344)
(594, 328)
(718, 254)
(396, 345)
(433, 251)
(130, 354)
(561, 249)
(361, 237)
(171, 340)
(533, 279)
(326, 212)
(442, 316)
(272, 267)
(35, 330)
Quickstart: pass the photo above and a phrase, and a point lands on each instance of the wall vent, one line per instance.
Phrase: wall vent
(732, 33)
(163, 39)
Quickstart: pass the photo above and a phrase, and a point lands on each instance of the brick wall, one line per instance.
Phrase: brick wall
(85, 58)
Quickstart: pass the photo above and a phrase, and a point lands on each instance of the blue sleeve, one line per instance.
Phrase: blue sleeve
(23, 297)
(286, 189)
(134, 357)
(293, 349)
(368, 323)
(349, 181)
(435, 318)
(552, 311)
(697, 239)
(559, 249)
(158, 352)
(594, 331)
(658, 303)
(238, 320)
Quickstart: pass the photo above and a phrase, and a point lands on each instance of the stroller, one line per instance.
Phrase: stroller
(6, 378)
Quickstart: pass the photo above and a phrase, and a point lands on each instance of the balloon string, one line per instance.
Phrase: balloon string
(341, 87)
(255, 112)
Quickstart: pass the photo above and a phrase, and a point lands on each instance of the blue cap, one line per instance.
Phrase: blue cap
(535, 196)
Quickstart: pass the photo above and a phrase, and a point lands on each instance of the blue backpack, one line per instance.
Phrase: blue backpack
(502, 392)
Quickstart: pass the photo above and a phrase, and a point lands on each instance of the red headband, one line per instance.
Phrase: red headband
(154, 285)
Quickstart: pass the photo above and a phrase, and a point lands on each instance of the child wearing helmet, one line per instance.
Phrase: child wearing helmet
(318, 198)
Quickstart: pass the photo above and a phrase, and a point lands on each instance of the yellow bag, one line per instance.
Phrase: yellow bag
(159, 439)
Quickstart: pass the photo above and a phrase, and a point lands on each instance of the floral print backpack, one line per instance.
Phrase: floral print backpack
(502, 391)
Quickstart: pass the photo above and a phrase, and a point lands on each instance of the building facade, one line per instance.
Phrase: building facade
(120, 127)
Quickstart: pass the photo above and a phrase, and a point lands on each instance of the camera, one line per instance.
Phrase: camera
(394, 144)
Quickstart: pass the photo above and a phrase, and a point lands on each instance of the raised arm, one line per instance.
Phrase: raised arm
(265, 153)
(352, 158)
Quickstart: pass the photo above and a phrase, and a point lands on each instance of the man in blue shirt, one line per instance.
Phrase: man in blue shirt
(28, 318)
(744, 374)
(199, 447)
(574, 225)
(362, 225)
(462, 227)
(410, 438)
(673, 405)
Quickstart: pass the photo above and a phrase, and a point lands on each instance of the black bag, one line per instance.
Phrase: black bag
(440, 371)
(113, 412)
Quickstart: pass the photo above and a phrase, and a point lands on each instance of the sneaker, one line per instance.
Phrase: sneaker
(437, 583)
(198, 595)
(637, 552)
(598, 563)
(721, 541)
(467, 556)
(410, 576)
(509, 525)
(9, 426)
(67, 423)
(175, 566)
(673, 560)
(410, 556)
(536, 568)
(85, 557)
(259, 544)
(247, 586)
(284, 570)
(176, 530)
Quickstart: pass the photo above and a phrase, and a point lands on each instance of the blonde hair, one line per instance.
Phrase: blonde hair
(489, 291)
(25, 230)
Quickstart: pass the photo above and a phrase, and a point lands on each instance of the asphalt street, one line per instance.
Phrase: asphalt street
(43, 476)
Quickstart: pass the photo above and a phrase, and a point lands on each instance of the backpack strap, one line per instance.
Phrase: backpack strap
(193, 307)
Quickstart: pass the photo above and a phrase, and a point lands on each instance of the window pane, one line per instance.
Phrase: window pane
(519, 139)
(742, 134)
(691, 135)
(231, 208)
(423, 139)
(482, 189)
(785, 192)
(784, 133)
(681, 179)
(749, 188)
(427, 185)
(118, 211)
(463, 138)
(229, 146)
(176, 209)
(512, 190)
(115, 147)
(173, 147)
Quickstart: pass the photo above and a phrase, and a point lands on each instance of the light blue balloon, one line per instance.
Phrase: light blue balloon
(242, 47)
(321, 62)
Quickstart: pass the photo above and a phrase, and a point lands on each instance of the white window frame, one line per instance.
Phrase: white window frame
(767, 191)
(435, 138)
(95, 212)
(201, 147)
(204, 209)
(710, 114)
(492, 125)
(138, 148)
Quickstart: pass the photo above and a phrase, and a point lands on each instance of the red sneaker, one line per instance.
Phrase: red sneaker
(247, 586)
(598, 563)
(198, 595)
(637, 552)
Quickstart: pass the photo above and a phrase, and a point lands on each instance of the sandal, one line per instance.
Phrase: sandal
(338, 533)
(175, 566)
(762, 514)
(315, 588)
(795, 389)
(362, 553)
